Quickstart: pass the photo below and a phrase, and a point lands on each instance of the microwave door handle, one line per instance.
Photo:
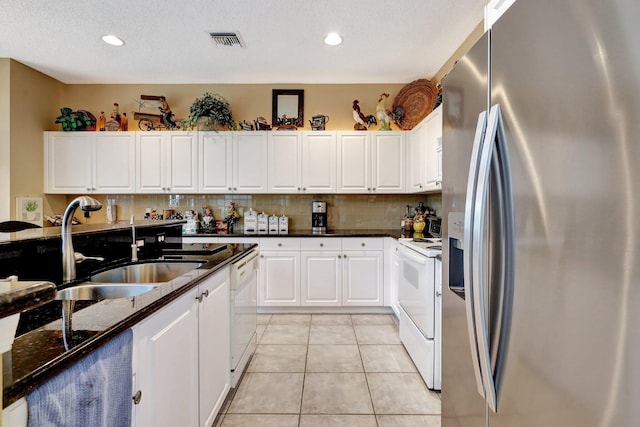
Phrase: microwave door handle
(468, 249)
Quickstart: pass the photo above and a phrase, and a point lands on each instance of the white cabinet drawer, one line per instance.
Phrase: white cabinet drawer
(363, 244)
(279, 244)
(320, 244)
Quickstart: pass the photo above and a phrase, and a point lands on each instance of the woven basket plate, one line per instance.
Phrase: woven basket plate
(417, 99)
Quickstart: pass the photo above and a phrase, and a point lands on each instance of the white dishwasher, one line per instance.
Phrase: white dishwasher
(244, 301)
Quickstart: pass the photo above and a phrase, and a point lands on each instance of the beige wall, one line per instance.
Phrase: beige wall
(460, 52)
(247, 101)
(34, 107)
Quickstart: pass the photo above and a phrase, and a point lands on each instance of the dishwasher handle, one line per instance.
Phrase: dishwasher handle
(243, 268)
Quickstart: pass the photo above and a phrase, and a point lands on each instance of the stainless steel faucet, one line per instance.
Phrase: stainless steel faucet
(87, 204)
(134, 244)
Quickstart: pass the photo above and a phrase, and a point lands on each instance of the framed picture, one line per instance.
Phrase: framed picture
(29, 209)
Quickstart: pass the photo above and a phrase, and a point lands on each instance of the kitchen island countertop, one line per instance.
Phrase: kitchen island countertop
(41, 354)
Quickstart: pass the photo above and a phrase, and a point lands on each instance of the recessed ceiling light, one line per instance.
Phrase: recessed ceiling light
(112, 40)
(333, 39)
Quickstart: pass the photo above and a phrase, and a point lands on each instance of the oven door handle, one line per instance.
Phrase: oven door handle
(412, 256)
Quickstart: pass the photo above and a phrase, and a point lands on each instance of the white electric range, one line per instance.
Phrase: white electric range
(420, 301)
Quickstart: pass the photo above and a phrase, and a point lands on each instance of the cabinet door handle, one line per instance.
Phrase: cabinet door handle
(304, 188)
(362, 244)
(279, 244)
(298, 188)
(137, 397)
(261, 256)
(321, 245)
(229, 188)
(199, 297)
(206, 293)
(339, 256)
(235, 189)
(344, 256)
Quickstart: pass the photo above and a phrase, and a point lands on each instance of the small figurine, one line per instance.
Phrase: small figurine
(382, 113)
(231, 217)
(362, 122)
(167, 114)
(101, 122)
(124, 122)
(116, 113)
(208, 222)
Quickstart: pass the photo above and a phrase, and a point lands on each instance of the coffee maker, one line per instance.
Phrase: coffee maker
(319, 217)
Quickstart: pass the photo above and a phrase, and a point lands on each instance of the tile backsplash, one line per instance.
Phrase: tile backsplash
(345, 211)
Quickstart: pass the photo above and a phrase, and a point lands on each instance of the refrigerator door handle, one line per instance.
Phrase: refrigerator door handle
(494, 154)
(469, 220)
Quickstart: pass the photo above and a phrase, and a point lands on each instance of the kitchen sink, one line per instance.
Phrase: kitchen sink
(97, 292)
(149, 272)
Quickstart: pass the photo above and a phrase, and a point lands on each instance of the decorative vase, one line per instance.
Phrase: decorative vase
(418, 226)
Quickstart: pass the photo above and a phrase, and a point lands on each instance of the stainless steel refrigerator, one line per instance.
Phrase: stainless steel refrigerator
(541, 219)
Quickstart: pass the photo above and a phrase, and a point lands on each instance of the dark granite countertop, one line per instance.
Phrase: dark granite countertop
(55, 232)
(17, 296)
(41, 354)
(395, 233)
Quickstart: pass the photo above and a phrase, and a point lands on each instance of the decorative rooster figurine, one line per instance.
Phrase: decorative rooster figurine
(362, 121)
(383, 115)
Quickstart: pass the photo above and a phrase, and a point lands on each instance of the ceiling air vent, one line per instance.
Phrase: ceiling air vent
(227, 39)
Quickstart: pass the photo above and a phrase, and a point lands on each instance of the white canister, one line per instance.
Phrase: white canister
(250, 222)
(273, 224)
(263, 223)
(283, 225)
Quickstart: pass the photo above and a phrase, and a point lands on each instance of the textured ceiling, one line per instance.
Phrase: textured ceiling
(168, 42)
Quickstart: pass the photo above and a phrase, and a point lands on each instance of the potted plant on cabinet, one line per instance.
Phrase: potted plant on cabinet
(210, 112)
(76, 120)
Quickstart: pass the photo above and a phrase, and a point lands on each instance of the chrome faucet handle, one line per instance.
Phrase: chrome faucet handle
(79, 257)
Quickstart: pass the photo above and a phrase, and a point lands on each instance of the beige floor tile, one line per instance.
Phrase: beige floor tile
(279, 358)
(377, 334)
(331, 334)
(334, 358)
(259, 332)
(285, 334)
(263, 319)
(262, 420)
(402, 393)
(408, 420)
(331, 319)
(386, 358)
(372, 319)
(338, 421)
(340, 393)
(290, 319)
(268, 393)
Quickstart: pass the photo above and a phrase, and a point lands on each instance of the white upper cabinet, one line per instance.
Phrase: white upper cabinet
(319, 155)
(416, 158)
(89, 162)
(215, 162)
(246, 162)
(285, 166)
(433, 170)
(166, 162)
(371, 162)
(354, 162)
(250, 162)
(387, 162)
(425, 154)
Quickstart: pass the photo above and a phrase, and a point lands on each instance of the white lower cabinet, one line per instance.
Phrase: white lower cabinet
(214, 346)
(181, 358)
(362, 278)
(321, 272)
(279, 283)
(321, 278)
(165, 361)
(16, 414)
